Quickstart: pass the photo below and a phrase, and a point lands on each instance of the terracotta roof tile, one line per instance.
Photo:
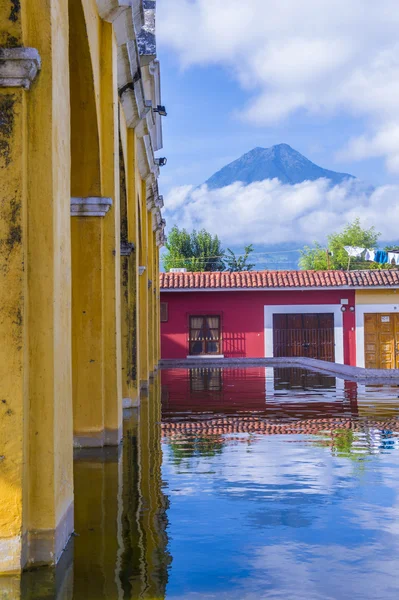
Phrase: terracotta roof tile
(279, 279)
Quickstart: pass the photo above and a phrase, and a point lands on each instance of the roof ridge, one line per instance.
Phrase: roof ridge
(274, 279)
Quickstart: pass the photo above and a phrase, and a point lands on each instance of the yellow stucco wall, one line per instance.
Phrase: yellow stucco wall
(61, 359)
(49, 270)
(12, 315)
(377, 296)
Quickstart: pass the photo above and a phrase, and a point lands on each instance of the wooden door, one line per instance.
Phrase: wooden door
(371, 351)
(310, 335)
(381, 340)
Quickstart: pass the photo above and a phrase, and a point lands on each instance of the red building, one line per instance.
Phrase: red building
(258, 314)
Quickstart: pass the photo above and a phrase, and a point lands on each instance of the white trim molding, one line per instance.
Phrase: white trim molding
(361, 310)
(18, 67)
(290, 309)
(93, 206)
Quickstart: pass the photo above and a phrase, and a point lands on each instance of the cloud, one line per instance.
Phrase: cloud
(324, 58)
(269, 212)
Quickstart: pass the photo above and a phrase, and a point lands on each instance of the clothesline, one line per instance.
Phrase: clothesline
(371, 255)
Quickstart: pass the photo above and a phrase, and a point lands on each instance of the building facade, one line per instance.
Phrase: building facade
(345, 317)
(80, 231)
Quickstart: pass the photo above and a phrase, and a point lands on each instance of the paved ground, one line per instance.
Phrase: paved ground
(358, 374)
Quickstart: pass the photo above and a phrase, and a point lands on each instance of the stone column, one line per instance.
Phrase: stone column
(13, 300)
(36, 488)
(110, 174)
(157, 315)
(129, 330)
(151, 283)
(143, 296)
(88, 215)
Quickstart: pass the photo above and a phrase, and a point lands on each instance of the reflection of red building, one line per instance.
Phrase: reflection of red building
(257, 314)
(213, 390)
(290, 394)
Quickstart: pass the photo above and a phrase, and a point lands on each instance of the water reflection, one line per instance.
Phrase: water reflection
(282, 484)
(199, 419)
(120, 547)
(259, 484)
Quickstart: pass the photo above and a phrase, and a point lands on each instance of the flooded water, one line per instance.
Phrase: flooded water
(250, 484)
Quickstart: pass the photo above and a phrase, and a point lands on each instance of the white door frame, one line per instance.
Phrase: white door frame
(361, 310)
(290, 309)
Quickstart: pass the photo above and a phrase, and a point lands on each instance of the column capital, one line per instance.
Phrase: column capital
(109, 10)
(18, 67)
(92, 206)
(126, 248)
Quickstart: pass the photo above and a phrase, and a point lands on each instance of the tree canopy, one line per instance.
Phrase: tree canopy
(195, 251)
(336, 257)
(235, 263)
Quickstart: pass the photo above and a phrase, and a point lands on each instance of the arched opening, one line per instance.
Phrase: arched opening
(86, 233)
(85, 144)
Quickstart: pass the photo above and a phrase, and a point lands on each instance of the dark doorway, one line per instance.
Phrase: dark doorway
(310, 335)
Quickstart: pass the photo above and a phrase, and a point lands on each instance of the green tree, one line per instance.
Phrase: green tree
(196, 251)
(239, 263)
(317, 258)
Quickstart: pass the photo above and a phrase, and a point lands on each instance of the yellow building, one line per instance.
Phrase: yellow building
(377, 326)
(80, 230)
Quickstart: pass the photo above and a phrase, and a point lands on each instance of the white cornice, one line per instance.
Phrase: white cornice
(18, 67)
(152, 87)
(93, 206)
(146, 37)
(150, 156)
(142, 162)
(134, 26)
(138, 15)
(109, 10)
(159, 201)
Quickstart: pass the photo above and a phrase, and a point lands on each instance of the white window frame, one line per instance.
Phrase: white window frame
(289, 309)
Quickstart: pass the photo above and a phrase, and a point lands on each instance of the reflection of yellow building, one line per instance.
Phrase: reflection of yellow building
(80, 228)
(120, 550)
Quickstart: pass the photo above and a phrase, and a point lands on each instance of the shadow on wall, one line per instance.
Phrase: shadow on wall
(234, 345)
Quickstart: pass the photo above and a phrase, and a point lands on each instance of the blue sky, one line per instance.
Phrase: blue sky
(322, 77)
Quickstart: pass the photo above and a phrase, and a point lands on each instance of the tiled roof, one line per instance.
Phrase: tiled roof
(280, 279)
(262, 425)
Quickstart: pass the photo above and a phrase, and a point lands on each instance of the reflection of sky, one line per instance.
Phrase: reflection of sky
(283, 518)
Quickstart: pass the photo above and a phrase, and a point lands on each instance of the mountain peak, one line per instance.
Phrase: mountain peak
(279, 161)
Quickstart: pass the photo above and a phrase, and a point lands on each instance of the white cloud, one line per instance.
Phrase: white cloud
(269, 212)
(322, 57)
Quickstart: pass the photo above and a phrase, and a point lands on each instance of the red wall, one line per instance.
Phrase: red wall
(242, 319)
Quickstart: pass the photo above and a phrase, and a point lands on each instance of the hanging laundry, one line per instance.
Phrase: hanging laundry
(370, 255)
(354, 251)
(381, 257)
(393, 258)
